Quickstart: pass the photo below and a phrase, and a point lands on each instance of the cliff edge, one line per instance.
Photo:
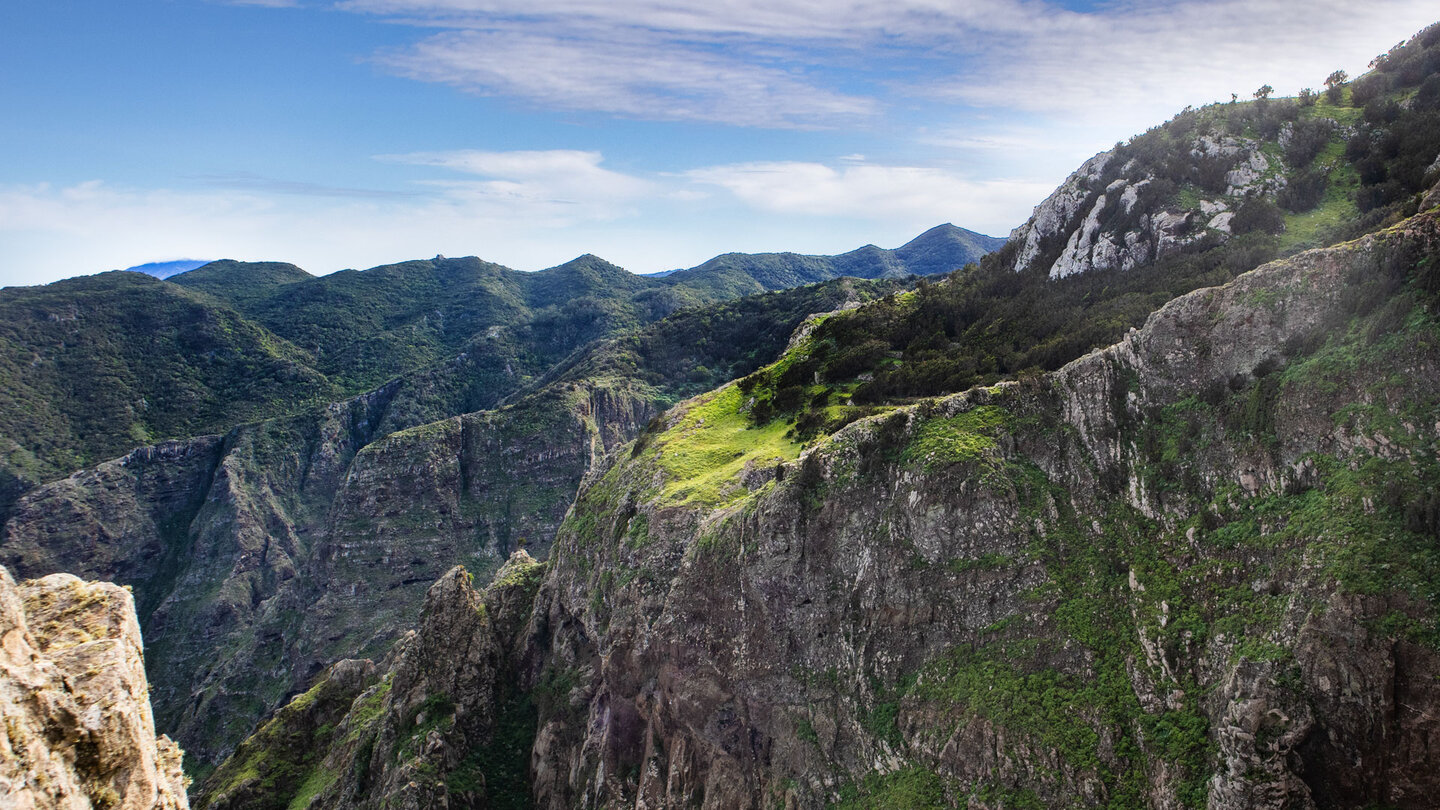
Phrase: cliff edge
(78, 727)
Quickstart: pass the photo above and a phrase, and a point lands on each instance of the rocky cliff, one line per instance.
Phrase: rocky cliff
(261, 557)
(1194, 569)
(78, 729)
(441, 722)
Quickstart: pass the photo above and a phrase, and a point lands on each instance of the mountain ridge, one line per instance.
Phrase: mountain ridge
(346, 333)
(1015, 537)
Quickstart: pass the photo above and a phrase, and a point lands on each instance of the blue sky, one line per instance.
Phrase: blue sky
(655, 133)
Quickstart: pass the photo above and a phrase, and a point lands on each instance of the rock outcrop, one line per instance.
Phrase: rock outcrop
(78, 727)
(1130, 207)
(1194, 569)
(441, 722)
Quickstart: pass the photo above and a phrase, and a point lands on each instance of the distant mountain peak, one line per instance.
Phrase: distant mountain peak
(168, 269)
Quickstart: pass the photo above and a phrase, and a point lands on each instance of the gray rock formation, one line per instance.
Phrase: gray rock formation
(1196, 568)
(260, 558)
(441, 723)
(1107, 216)
(1018, 597)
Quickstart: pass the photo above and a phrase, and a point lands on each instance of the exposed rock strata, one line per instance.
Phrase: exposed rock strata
(442, 722)
(262, 557)
(78, 728)
(1055, 614)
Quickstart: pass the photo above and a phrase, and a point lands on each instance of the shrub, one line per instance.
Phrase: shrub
(1304, 191)
(1257, 214)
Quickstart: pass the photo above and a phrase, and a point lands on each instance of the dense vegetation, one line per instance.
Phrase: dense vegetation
(1351, 165)
(697, 349)
(96, 366)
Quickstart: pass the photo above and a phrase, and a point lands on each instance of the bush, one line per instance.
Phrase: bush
(1307, 138)
(1368, 88)
(1304, 191)
(1257, 214)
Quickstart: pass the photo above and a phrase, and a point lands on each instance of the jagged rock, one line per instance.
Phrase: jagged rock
(261, 557)
(441, 723)
(78, 727)
(834, 627)
(1057, 210)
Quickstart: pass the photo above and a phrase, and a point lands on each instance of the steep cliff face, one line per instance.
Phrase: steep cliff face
(440, 723)
(78, 728)
(1194, 569)
(261, 557)
(294, 551)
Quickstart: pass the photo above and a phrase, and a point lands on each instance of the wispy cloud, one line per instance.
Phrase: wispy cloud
(528, 209)
(561, 185)
(1144, 60)
(788, 63)
(634, 73)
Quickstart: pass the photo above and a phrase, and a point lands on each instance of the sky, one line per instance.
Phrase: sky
(653, 133)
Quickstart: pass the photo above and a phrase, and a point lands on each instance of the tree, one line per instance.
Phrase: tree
(1264, 92)
(1334, 85)
(1307, 97)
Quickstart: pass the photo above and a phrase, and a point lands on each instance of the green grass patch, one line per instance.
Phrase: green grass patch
(317, 781)
(909, 788)
(1317, 227)
(968, 437)
(705, 453)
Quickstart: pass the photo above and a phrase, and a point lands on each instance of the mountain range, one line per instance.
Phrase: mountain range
(1137, 509)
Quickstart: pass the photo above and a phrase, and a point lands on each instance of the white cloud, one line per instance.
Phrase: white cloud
(776, 63)
(1142, 61)
(916, 195)
(627, 73)
(528, 209)
(529, 215)
(558, 177)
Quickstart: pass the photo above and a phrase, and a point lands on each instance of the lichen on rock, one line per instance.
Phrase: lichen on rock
(78, 727)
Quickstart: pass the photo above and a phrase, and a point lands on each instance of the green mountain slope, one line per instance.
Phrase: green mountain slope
(240, 284)
(1189, 570)
(1195, 568)
(300, 540)
(1120, 584)
(232, 342)
(1207, 196)
(939, 250)
(98, 365)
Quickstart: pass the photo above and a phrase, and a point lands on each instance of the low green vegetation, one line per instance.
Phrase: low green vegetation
(96, 366)
(964, 438)
(906, 789)
(499, 768)
(713, 442)
(281, 766)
